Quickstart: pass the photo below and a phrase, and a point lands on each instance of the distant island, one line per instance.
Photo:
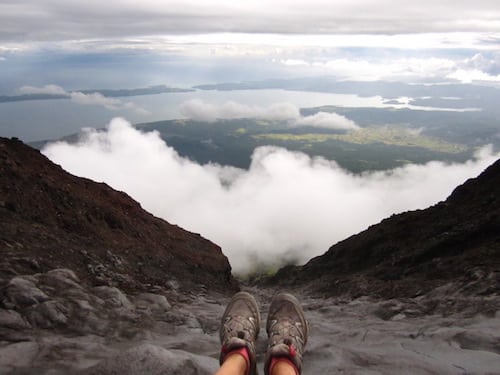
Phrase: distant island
(110, 93)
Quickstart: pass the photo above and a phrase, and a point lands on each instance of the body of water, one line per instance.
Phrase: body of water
(50, 119)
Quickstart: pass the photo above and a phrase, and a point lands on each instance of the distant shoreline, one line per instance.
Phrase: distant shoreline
(110, 93)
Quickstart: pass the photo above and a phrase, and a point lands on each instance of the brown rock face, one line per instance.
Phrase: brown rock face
(51, 219)
(409, 254)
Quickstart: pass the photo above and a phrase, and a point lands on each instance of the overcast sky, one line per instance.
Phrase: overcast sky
(172, 24)
(55, 20)
(85, 44)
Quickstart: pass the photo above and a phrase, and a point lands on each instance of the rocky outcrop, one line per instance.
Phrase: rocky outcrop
(454, 244)
(51, 219)
(52, 323)
(57, 300)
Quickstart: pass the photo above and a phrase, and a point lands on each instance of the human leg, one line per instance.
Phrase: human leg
(282, 366)
(234, 364)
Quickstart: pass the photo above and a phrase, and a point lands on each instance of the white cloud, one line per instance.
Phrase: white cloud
(281, 111)
(95, 99)
(378, 68)
(483, 63)
(78, 97)
(47, 89)
(295, 62)
(200, 110)
(473, 75)
(373, 68)
(328, 121)
(286, 205)
(98, 99)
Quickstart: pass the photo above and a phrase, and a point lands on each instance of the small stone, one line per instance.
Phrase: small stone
(12, 319)
(154, 301)
(23, 293)
(112, 296)
(99, 268)
(60, 279)
(47, 314)
(20, 354)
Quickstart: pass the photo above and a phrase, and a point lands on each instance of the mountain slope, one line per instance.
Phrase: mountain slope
(51, 219)
(409, 254)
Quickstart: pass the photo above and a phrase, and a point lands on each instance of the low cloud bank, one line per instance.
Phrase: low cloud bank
(327, 120)
(47, 89)
(286, 207)
(483, 67)
(200, 110)
(98, 99)
(94, 98)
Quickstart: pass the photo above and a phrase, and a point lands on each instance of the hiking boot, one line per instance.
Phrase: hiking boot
(240, 327)
(287, 330)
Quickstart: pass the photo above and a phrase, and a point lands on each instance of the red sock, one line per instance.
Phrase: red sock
(276, 360)
(243, 352)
